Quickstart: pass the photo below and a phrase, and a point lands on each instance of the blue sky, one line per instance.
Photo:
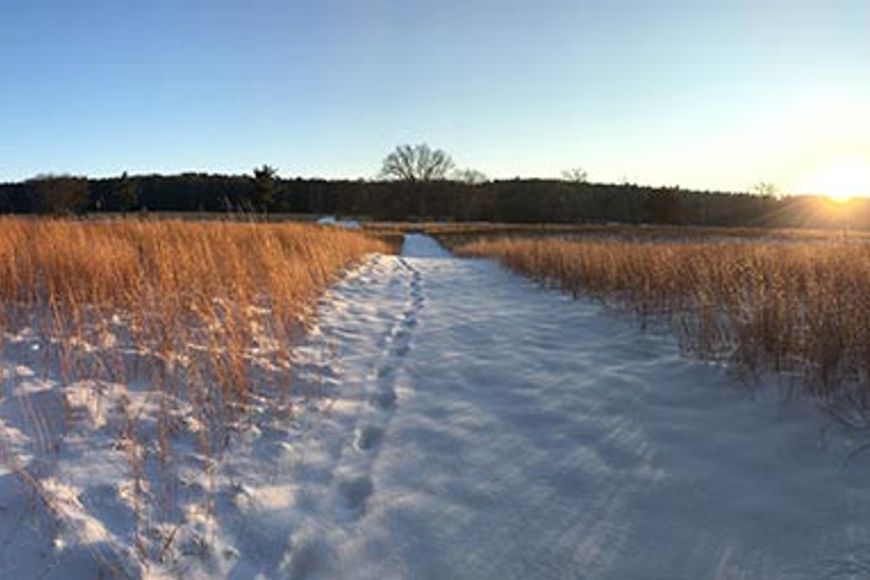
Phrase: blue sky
(716, 94)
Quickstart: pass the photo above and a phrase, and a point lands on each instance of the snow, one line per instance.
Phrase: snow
(459, 421)
(333, 221)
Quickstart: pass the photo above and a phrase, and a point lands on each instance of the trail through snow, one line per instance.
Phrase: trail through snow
(453, 420)
(486, 428)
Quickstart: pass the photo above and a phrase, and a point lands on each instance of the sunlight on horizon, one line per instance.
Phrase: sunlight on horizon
(840, 181)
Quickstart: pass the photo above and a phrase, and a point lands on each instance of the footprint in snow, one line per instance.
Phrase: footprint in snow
(386, 400)
(369, 437)
(355, 492)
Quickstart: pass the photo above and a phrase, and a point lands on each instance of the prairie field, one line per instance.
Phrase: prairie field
(215, 295)
(564, 290)
(143, 348)
(454, 234)
(801, 307)
(198, 399)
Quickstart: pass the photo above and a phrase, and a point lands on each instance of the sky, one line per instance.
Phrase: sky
(710, 94)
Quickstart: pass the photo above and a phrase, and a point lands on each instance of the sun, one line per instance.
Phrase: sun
(840, 197)
(840, 181)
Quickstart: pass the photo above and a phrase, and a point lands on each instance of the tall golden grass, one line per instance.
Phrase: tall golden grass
(198, 319)
(453, 234)
(215, 300)
(802, 307)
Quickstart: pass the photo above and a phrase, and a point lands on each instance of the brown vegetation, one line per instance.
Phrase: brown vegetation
(203, 306)
(178, 332)
(457, 234)
(802, 307)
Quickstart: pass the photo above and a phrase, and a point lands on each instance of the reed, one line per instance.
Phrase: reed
(175, 327)
(171, 288)
(199, 312)
(798, 307)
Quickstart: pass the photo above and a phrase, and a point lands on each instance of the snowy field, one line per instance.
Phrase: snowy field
(458, 422)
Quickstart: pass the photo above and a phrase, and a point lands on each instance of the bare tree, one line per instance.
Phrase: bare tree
(575, 175)
(765, 189)
(417, 163)
(470, 176)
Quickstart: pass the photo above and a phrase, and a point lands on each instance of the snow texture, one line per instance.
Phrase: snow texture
(333, 221)
(462, 422)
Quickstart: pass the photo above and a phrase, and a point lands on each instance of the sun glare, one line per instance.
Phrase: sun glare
(841, 181)
(840, 197)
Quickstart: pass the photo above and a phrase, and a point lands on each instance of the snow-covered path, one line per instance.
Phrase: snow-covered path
(486, 428)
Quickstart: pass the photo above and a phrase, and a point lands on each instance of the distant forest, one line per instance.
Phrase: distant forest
(518, 200)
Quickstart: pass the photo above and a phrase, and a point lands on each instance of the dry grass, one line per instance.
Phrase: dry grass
(173, 287)
(177, 330)
(802, 307)
(460, 233)
(198, 311)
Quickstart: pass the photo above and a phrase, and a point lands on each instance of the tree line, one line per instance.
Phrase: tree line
(428, 188)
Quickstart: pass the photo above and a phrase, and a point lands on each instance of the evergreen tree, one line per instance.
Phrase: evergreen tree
(264, 188)
(127, 193)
